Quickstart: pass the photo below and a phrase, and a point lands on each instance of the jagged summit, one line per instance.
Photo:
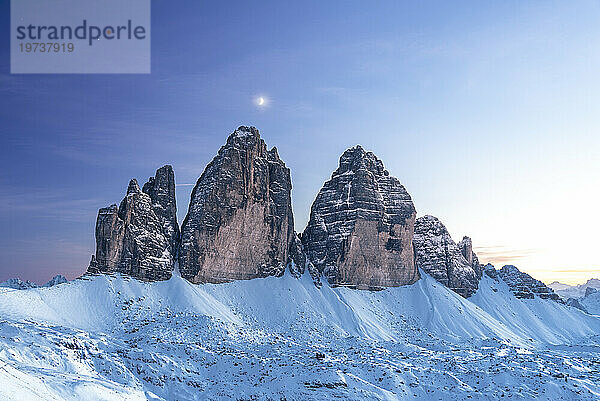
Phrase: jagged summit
(244, 132)
(18, 284)
(454, 265)
(356, 158)
(524, 286)
(361, 225)
(133, 187)
(161, 189)
(239, 223)
(135, 238)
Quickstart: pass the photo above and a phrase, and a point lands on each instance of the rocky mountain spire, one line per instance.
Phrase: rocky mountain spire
(361, 226)
(466, 248)
(455, 266)
(131, 239)
(161, 189)
(239, 224)
(523, 285)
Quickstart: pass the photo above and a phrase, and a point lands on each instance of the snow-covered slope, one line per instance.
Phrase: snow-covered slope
(591, 303)
(108, 337)
(537, 319)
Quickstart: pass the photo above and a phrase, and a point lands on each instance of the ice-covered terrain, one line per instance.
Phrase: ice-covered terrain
(114, 338)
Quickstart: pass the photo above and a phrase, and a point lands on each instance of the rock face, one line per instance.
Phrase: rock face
(239, 224)
(574, 302)
(490, 271)
(466, 248)
(361, 226)
(455, 266)
(298, 262)
(524, 286)
(136, 238)
(161, 189)
(56, 280)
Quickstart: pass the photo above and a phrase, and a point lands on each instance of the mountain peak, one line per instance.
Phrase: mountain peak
(133, 187)
(361, 224)
(244, 134)
(357, 158)
(239, 223)
(524, 286)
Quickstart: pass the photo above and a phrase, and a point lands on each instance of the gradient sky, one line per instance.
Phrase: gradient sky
(488, 112)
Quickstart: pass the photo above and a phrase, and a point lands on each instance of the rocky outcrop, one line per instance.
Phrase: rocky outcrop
(161, 189)
(523, 285)
(361, 226)
(466, 248)
(455, 266)
(56, 280)
(298, 263)
(18, 284)
(239, 224)
(574, 302)
(130, 239)
(490, 271)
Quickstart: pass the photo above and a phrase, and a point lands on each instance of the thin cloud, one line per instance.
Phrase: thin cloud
(498, 255)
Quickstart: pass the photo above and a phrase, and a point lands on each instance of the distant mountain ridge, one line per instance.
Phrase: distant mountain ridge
(18, 284)
(574, 291)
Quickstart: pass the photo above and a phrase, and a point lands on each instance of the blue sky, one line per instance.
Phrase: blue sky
(486, 111)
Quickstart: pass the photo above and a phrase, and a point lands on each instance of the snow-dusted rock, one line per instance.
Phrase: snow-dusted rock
(466, 248)
(58, 279)
(455, 266)
(361, 226)
(130, 239)
(239, 224)
(18, 284)
(161, 189)
(574, 302)
(591, 302)
(524, 286)
(298, 263)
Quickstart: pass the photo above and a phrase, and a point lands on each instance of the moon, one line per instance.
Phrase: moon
(261, 101)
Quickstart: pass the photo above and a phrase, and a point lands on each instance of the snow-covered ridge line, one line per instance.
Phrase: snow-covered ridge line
(18, 284)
